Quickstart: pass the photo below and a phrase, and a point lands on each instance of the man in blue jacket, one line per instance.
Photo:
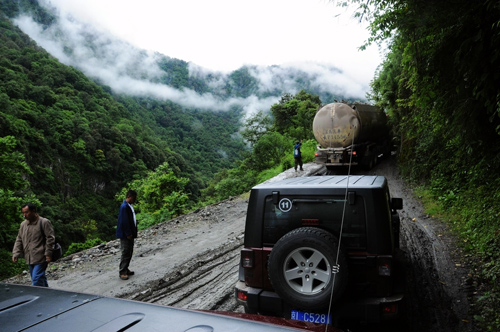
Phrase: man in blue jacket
(297, 155)
(126, 231)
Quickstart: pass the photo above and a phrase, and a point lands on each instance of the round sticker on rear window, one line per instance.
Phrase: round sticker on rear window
(285, 205)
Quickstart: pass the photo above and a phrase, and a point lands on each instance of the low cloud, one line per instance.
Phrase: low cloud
(124, 68)
(132, 71)
(323, 77)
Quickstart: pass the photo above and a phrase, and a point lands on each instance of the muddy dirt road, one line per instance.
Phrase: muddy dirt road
(439, 284)
(192, 262)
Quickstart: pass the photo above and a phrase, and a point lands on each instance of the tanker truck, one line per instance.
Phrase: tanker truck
(351, 134)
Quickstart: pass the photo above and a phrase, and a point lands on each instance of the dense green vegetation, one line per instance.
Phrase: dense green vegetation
(440, 84)
(203, 141)
(272, 138)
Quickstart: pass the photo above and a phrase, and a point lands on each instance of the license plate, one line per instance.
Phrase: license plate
(311, 317)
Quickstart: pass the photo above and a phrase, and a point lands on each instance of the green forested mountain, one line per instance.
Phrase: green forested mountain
(82, 144)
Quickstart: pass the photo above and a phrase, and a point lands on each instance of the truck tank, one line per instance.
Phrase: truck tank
(339, 125)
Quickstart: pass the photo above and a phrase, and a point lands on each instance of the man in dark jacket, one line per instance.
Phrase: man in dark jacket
(126, 231)
(34, 246)
(297, 155)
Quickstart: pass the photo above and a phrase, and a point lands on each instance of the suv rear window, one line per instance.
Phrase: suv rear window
(324, 211)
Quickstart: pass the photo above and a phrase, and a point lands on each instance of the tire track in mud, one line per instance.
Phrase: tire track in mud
(428, 303)
(205, 281)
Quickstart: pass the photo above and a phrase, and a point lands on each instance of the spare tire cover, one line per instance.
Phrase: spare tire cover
(300, 268)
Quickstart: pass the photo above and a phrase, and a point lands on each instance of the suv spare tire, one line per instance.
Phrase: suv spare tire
(300, 268)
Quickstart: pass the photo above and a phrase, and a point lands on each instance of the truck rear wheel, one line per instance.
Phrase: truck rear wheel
(300, 268)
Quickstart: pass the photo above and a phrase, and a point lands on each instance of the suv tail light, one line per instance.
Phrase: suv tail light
(247, 258)
(384, 264)
(242, 295)
(390, 309)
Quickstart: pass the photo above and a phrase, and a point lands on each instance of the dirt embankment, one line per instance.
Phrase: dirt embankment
(192, 262)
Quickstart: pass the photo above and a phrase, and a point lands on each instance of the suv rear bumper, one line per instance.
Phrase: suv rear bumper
(370, 310)
(258, 300)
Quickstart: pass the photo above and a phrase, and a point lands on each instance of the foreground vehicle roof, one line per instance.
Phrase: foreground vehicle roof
(29, 308)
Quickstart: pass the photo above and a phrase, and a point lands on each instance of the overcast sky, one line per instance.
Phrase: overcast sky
(223, 35)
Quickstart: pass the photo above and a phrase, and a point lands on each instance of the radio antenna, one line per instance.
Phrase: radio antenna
(336, 268)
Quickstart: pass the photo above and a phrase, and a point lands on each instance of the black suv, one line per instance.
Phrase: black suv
(323, 244)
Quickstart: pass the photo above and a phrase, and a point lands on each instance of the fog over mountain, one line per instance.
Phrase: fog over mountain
(128, 70)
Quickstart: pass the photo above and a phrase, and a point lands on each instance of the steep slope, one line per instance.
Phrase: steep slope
(82, 146)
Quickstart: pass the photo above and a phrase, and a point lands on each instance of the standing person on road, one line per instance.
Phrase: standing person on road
(127, 232)
(297, 155)
(33, 245)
